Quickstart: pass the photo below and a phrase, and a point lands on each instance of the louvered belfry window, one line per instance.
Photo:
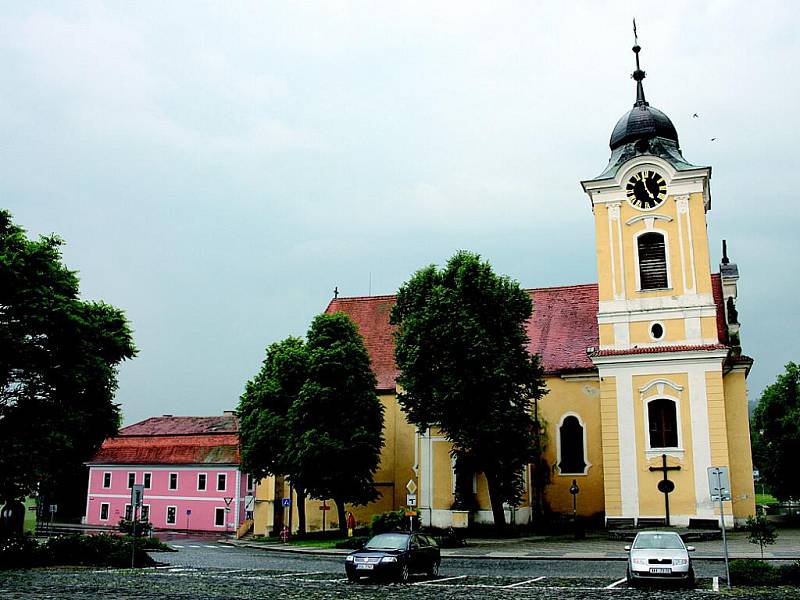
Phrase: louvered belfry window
(571, 443)
(652, 261)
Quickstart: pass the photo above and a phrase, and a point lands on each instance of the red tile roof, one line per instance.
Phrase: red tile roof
(169, 425)
(660, 350)
(562, 327)
(169, 450)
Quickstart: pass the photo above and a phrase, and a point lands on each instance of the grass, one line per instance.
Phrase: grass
(315, 543)
(766, 499)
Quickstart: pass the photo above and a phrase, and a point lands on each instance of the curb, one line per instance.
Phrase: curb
(334, 552)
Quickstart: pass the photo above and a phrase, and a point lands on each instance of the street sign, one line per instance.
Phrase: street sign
(54, 508)
(249, 502)
(137, 495)
(286, 502)
(411, 513)
(228, 501)
(324, 507)
(188, 512)
(411, 499)
(719, 486)
(411, 486)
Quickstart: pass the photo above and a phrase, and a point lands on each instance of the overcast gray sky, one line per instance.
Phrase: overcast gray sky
(217, 168)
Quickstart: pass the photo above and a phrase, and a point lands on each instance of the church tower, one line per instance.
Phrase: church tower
(672, 389)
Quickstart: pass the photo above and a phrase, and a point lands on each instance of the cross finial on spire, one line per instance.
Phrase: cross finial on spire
(638, 74)
(336, 292)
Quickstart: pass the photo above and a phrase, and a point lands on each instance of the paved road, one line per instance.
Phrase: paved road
(204, 570)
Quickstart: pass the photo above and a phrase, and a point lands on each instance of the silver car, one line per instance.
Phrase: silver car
(659, 556)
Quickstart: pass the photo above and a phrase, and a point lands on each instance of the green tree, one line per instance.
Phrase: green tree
(775, 430)
(461, 348)
(265, 432)
(338, 416)
(760, 531)
(58, 366)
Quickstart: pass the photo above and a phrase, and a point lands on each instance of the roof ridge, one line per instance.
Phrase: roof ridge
(562, 287)
(388, 296)
(359, 298)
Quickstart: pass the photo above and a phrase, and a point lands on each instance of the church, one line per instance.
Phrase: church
(645, 374)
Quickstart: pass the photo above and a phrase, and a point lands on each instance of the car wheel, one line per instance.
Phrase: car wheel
(403, 575)
(690, 579)
(352, 578)
(631, 581)
(433, 572)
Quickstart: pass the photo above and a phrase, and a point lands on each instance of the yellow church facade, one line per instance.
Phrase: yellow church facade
(644, 369)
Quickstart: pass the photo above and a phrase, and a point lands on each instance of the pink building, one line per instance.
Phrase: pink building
(189, 467)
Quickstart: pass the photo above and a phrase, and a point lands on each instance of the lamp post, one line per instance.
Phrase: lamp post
(575, 490)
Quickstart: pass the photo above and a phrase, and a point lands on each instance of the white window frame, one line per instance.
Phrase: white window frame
(166, 515)
(663, 331)
(128, 507)
(110, 479)
(131, 479)
(107, 507)
(637, 271)
(147, 480)
(224, 515)
(587, 464)
(224, 478)
(651, 451)
(205, 482)
(177, 481)
(141, 512)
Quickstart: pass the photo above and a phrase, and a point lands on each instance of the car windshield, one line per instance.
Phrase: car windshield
(658, 541)
(388, 541)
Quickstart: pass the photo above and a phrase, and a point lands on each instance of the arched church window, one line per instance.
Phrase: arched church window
(652, 261)
(663, 422)
(570, 437)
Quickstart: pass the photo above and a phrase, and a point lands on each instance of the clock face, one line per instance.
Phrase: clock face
(646, 190)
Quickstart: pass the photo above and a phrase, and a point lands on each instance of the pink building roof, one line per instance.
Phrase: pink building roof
(174, 440)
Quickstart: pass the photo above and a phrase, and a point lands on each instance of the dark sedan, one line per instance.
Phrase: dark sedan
(394, 556)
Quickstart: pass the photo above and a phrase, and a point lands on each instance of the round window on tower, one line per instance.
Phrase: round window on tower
(656, 331)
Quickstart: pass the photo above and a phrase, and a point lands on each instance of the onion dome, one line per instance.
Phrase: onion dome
(642, 122)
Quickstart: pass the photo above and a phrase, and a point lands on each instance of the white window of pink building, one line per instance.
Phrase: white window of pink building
(201, 481)
(173, 481)
(172, 512)
(219, 517)
(147, 480)
(107, 479)
(222, 482)
(145, 512)
(104, 511)
(131, 480)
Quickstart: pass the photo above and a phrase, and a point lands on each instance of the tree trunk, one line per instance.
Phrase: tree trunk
(301, 510)
(340, 511)
(496, 499)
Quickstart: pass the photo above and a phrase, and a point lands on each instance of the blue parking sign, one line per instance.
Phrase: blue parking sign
(286, 502)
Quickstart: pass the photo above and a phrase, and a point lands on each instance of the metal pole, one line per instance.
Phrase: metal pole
(133, 541)
(722, 523)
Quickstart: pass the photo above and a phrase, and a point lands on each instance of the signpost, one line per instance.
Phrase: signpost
(324, 508)
(137, 497)
(719, 488)
(228, 501)
(411, 503)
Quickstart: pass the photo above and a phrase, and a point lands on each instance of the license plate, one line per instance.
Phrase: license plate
(657, 570)
(365, 567)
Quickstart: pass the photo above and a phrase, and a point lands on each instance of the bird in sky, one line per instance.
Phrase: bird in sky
(713, 139)
(695, 116)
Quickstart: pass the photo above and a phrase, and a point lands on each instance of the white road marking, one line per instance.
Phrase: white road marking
(176, 546)
(437, 581)
(524, 582)
(195, 546)
(715, 584)
(616, 583)
(300, 573)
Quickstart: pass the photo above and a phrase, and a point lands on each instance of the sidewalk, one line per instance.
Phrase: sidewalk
(596, 546)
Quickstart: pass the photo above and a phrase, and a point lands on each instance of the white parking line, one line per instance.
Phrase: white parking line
(524, 582)
(715, 584)
(437, 581)
(176, 546)
(195, 546)
(616, 583)
(300, 573)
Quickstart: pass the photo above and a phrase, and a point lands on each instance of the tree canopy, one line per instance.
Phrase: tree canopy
(265, 431)
(58, 366)
(775, 430)
(461, 348)
(339, 415)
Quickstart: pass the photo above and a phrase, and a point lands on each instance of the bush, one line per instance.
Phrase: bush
(143, 527)
(96, 550)
(353, 543)
(391, 521)
(19, 551)
(753, 572)
(790, 574)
